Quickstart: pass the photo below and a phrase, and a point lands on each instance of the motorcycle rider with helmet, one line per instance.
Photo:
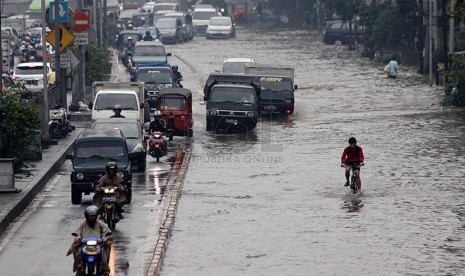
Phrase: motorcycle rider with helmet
(91, 227)
(111, 179)
(177, 75)
(158, 124)
(117, 109)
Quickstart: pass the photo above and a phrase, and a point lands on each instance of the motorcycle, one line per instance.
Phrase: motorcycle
(91, 255)
(157, 145)
(59, 125)
(177, 81)
(109, 211)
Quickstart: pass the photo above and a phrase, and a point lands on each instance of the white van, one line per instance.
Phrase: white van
(105, 101)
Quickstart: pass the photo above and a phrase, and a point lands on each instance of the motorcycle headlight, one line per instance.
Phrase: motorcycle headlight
(120, 174)
(138, 148)
(251, 114)
(107, 191)
(112, 190)
(213, 112)
(80, 176)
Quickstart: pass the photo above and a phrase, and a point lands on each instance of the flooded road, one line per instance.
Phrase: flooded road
(272, 201)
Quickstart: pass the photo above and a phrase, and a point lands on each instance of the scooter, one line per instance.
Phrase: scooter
(109, 211)
(59, 126)
(177, 81)
(91, 255)
(157, 145)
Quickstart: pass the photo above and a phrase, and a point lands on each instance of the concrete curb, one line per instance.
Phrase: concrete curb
(182, 163)
(38, 183)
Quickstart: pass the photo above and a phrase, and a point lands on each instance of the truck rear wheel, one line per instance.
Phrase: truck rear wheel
(76, 196)
(209, 125)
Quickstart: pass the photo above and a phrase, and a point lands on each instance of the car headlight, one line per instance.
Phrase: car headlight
(120, 174)
(287, 100)
(250, 114)
(80, 176)
(138, 148)
(213, 112)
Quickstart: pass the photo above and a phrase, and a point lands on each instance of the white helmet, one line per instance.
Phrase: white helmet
(157, 114)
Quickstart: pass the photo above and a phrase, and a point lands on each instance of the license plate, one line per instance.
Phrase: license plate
(270, 107)
(231, 121)
(32, 82)
(109, 199)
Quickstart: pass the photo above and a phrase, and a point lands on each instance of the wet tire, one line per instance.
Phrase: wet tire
(55, 131)
(158, 159)
(209, 125)
(76, 196)
(171, 137)
(129, 196)
(90, 269)
(191, 132)
(109, 218)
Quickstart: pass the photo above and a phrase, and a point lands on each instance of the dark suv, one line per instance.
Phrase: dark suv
(339, 31)
(92, 150)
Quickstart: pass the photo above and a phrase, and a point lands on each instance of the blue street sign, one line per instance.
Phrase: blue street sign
(63, 14)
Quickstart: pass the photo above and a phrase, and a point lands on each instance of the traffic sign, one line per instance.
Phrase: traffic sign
(81, 22)
(66, 38)
(63, 14)
(69, 24)
(65, 61)
(81, 38)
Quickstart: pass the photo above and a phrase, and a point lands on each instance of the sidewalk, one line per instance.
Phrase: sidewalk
(13, 204)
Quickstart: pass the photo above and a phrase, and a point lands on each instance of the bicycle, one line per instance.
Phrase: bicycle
(353, 177)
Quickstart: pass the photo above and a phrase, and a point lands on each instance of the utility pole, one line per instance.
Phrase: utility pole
(58, 75)
(105, 26)
(79, 88)
(430, 38)
(100, 23)
(452, 27)
(45, 107)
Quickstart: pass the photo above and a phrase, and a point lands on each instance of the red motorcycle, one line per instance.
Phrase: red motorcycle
(157, 145)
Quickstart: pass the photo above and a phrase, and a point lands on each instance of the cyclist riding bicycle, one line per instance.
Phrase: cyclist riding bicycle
(352, 156)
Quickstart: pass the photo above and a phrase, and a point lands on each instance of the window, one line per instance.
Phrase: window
(129, 130)
(275, 84)
(154, 77)
(29, 70)
(172, 104)
(149, 50)
(220, 22)
(108, 101)
(336, 26)
(166, 24)
(89, 149)
(232, 94)
(204, 15)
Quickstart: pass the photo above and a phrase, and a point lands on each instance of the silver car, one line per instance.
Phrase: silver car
(221, 27)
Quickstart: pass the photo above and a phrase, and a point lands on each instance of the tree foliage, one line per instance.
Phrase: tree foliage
(455, 92)
(98, 64)
(18, 122)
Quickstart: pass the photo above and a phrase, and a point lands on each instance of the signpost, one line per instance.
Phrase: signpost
(63, 14)
(65, 38)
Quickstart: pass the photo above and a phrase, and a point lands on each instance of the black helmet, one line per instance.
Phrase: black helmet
(91, 214)
(174, 67)
(117, 107)
(147, 32)
(352, 140)
(111, 166)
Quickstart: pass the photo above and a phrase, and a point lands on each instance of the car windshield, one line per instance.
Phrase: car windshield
(172, 103)
(154, 77)
(166, 24)
(108, 101)
(124, 37)
(203, 15)
(232, 94)
(29, 70)
(220, 22)
(149, 50)
(99, 149)
(164, 8)
(128, 14)
(275, 84)
(234, 67)
(130, 130)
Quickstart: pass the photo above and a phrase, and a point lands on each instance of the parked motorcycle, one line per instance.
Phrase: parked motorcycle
(157, 145)
(91, 255)
(59, 125)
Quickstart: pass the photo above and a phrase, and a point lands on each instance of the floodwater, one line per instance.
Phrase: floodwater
(272, 201)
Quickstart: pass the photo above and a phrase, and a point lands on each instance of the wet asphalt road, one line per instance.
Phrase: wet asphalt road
(272, 201)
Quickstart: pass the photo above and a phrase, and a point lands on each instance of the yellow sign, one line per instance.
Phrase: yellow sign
(66, 38)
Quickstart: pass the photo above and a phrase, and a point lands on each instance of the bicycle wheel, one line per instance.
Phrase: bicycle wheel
(353, 184)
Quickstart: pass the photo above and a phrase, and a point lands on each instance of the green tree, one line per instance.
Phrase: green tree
(19, 122)
(455, 91)
(98, 63)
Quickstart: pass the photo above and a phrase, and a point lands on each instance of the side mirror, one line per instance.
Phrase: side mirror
(69, 156)
(296, 87)
(168, 54)
(142, 105)
(146, 137)
(90, 105)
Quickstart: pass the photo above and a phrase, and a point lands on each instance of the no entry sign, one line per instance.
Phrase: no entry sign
(81, 22)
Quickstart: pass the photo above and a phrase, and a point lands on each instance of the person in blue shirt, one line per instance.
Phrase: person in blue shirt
(392, 68)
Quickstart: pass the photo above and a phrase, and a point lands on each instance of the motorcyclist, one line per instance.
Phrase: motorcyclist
(352, 156)
(129, 44)
(117, 109)
(147, 36)
(92, 227)
(158, 124)
(111, 179)
(130, 26)
(177, 75)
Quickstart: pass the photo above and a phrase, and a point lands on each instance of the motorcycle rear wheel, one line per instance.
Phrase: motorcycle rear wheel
(55, 131)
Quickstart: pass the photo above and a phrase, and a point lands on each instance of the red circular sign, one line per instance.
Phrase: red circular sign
(81, 22)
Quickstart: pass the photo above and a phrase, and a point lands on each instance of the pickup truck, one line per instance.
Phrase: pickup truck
(231, 101)
(277, 88)
(130, 95)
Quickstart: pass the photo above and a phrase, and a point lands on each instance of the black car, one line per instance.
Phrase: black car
(338, 30)
(93, 149)
(132, 131)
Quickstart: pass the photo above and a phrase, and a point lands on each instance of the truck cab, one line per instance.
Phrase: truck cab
(231, 101)
(93, 149)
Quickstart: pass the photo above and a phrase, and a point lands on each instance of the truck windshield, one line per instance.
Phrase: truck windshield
(108, 101)
(232, 94)
(100, 149)
(154, 77)
(275, 84)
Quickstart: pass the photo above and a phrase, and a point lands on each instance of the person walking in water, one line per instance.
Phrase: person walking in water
(391, 68)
